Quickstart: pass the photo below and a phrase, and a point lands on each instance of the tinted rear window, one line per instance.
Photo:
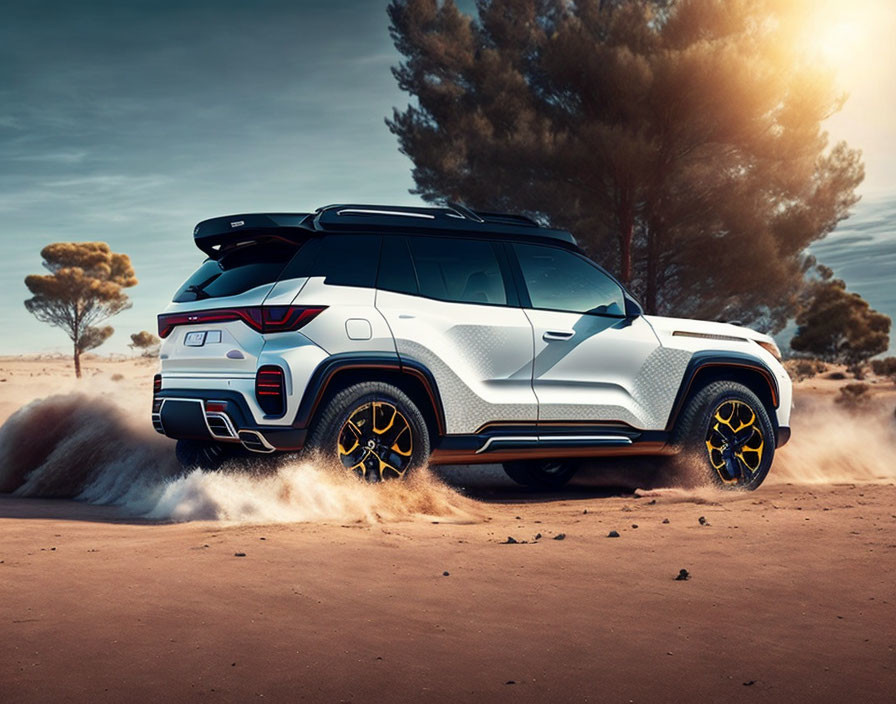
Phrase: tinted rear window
(237, 272)
(343, 260)
(396, 269)
(460, 270)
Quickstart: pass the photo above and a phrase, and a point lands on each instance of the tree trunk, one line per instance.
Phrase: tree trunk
(626, 217)
(650, 302)
(77, 357)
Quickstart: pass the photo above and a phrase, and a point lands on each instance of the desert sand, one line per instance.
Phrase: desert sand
(294, 584)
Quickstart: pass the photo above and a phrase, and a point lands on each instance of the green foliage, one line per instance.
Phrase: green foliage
(681, 142)
(840, 327)
(84, 288)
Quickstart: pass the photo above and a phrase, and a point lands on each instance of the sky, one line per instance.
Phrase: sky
(130, 121)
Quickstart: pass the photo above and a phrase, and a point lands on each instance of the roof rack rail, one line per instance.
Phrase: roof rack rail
(510, 218)
(465, 211)
(453, 217)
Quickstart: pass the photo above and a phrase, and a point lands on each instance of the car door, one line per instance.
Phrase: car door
(450, 308)
(592, 363)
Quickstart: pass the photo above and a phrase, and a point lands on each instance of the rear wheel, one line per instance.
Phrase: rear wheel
(207, 455)
(372, 430)
(726, 430)
(540, 474)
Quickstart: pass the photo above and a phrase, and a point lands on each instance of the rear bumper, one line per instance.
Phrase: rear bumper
(782, 436)
(182, 414)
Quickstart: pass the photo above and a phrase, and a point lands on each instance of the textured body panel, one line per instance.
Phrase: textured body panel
(480, 356)
(669, 331)
(607, 370)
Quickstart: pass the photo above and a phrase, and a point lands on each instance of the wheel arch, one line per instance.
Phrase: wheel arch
(708, 367)
(339, 372)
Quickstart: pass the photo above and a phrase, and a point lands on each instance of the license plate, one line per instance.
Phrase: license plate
(195, 339)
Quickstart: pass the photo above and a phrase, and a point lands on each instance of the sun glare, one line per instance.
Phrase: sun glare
(837, 32)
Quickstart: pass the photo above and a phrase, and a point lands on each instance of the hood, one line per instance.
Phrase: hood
(698, 328)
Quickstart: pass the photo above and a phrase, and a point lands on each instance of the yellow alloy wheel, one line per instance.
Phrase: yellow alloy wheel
(376, 442)
(734, 442)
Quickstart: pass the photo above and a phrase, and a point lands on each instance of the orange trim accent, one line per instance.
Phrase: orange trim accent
(379, 365)
(438, 456)
(331, 373)
(432, 398)
(769, 379)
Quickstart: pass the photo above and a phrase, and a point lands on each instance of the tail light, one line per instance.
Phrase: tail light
(270, 390)
(157, 383)
(262, 319)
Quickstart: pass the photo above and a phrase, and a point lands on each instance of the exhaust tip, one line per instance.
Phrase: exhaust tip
(255, 442)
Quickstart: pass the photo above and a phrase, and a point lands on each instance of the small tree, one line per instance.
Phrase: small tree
(83, 289)
(884, 367)
(839, 326)
(146, 342)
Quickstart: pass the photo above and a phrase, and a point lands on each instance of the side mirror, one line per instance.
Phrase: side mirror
(632, 309)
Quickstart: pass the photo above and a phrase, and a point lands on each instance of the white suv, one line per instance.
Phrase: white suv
(384, 338)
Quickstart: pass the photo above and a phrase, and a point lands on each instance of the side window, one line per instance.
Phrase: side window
(396, 269)
(349, 260)
(459, 270)
(560, 280)
(344, 260)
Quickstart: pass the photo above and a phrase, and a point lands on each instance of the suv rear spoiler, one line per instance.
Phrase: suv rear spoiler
(214, 235)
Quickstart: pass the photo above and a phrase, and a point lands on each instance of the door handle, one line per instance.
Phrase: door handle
(557, 335)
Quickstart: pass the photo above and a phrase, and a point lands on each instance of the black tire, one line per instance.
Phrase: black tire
(390, 432)
(541, 474)
(207, 455)
(726, 432)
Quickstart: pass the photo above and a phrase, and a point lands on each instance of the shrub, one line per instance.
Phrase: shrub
(854, 395)
(800, 369)
(884, 367)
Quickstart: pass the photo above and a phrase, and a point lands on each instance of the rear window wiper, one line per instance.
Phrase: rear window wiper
(197, 291)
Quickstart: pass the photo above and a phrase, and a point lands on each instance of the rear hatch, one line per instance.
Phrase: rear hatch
(215, 323)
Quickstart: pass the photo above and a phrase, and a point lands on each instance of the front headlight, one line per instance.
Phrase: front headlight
(770, 347)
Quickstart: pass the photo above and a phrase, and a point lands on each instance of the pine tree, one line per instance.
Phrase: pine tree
(681, 142)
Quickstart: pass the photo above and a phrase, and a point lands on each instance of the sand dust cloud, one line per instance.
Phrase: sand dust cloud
(90, 449)
(831, 444)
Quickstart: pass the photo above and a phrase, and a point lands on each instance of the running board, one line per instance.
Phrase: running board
(508, 442)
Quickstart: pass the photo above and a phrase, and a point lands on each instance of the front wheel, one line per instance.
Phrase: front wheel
(540, 474)
(372, 430)
(726, 430)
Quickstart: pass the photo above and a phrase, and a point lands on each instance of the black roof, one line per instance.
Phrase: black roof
(214, 234)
